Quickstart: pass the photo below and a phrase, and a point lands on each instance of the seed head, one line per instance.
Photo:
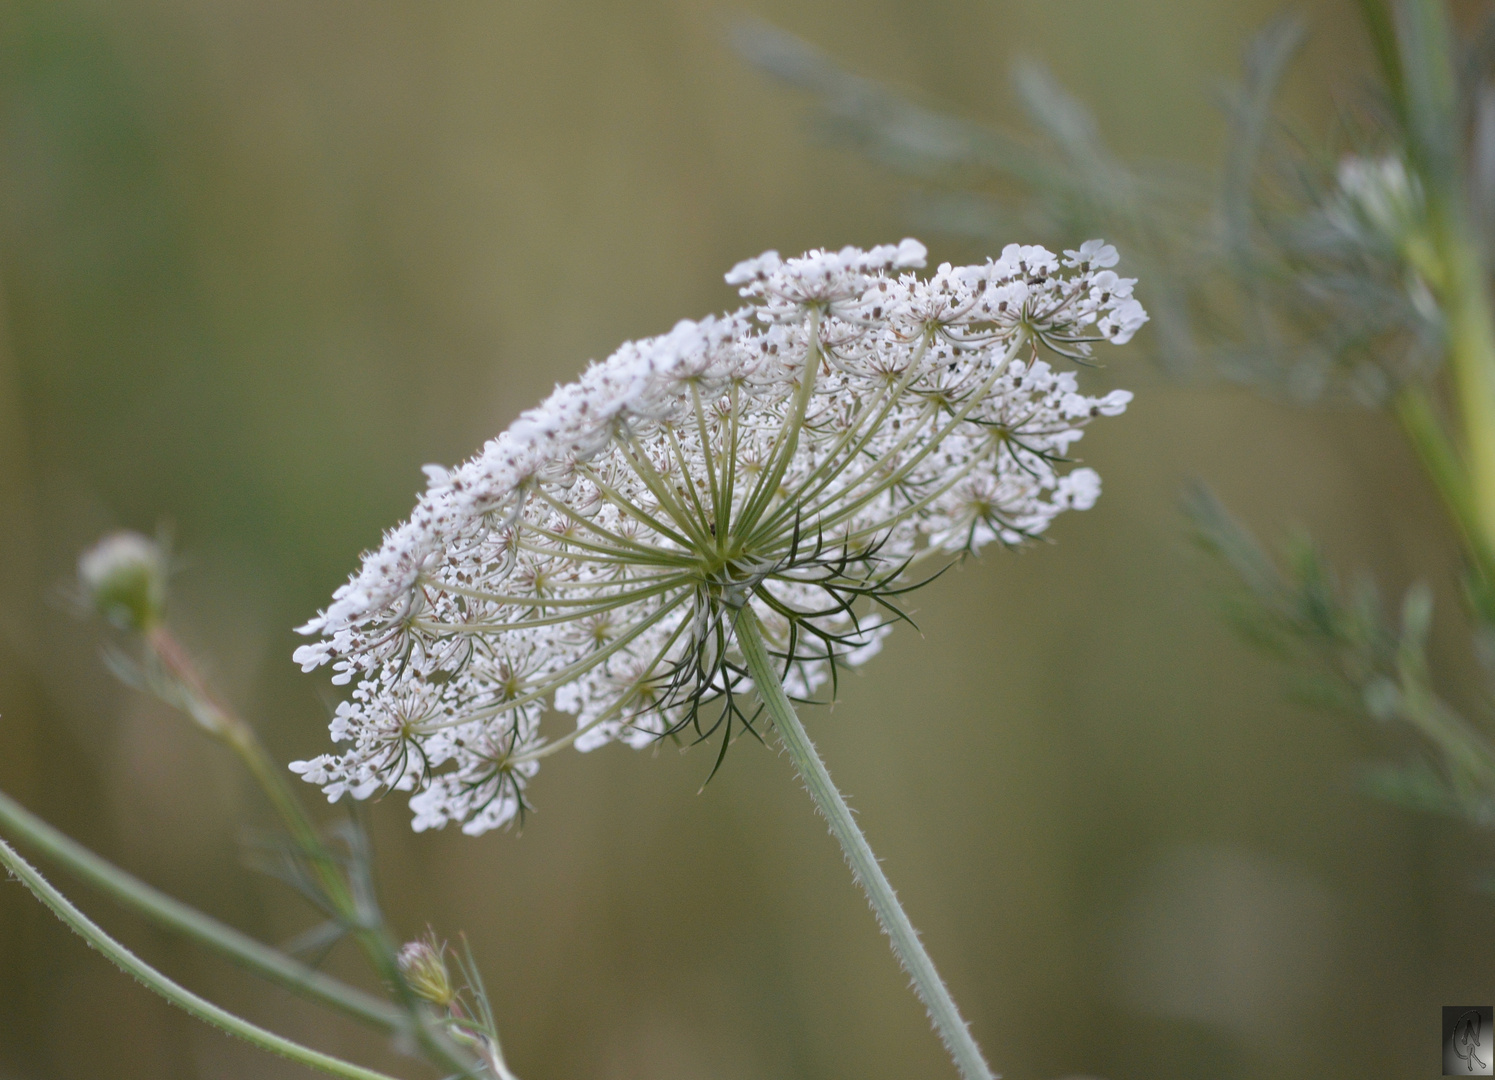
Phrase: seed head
(801, 455)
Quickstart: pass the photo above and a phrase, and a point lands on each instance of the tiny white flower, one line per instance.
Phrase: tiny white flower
(1381, 194)
(799, 457)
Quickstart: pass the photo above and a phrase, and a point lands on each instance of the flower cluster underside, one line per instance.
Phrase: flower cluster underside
(800, 457)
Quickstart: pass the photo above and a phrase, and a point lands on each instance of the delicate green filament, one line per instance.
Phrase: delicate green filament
(725, 524)
(869, 531)
(827, 472)
(786, 441)
(591, 526)
(704, 521)
(717, 525)
(645, 555)
(631, 508)
(904, 470)
(664, 580)
(559, 679)
(675, 562)
(596, 608)
(638, 459)
(613, 711)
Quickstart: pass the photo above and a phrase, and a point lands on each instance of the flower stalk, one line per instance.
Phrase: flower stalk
(172, 991)
(124, 577)
(164, 911)
(865, 868)
(365, 925)
(1414, 44)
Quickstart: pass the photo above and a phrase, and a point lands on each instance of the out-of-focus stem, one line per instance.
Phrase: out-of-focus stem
(1420, 422)
(865, 868)
(370, 934)
(1414, 42)
(1471, 357)
(171, 914)
(1464, 747)
(173, 992)
(222, 722)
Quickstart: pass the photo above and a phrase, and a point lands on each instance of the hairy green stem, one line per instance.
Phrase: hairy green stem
(170, 914)
(864, 865)
(173, 992)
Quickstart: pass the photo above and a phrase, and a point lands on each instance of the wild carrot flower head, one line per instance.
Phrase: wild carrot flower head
(799, 456)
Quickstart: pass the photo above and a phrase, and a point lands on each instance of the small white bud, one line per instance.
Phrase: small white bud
(124, 578)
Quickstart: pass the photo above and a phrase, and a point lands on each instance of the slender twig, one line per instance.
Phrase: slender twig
(864, 865)
(171, 914)
(173, 992)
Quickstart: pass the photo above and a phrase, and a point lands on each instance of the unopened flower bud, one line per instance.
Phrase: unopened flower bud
(124, 577)
(423, 963)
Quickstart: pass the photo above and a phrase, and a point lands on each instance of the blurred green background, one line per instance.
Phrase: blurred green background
(260, 261)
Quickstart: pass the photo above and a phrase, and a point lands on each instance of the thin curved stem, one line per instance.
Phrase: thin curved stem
(615, 710)
(173, 992)
(709, 460)
(637, 457)
(132, 893)
(361, 917)
(864, 865)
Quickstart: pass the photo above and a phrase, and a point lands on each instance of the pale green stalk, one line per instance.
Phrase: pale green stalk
(629, 508)
(178, 995)
(364, 925)
(616, 709)
(1465, 299)
(638, 460)
(1422, 426)
(1415, 45)
(864, 865)
(591, 526)
(164, 911)
(905, 469)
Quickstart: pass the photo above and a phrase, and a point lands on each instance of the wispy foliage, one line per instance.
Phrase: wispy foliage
(1350, 265)
(1347, 654)
(1268, 271)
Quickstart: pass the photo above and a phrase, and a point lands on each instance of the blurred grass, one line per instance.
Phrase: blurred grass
(258, 263)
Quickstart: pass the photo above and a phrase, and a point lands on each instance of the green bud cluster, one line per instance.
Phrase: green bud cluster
(124, 578)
